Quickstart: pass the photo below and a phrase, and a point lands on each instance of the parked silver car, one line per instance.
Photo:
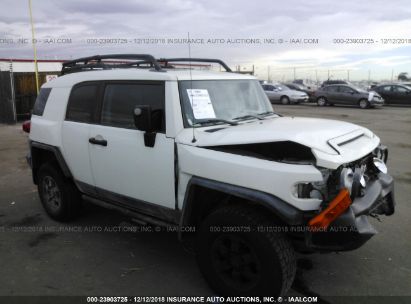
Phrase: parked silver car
(282, 94)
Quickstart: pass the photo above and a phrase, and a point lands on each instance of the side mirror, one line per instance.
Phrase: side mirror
(142, 121)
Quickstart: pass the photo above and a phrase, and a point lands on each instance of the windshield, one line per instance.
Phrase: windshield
(214, 100)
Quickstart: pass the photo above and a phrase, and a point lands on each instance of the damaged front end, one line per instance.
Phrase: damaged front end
(343, 223)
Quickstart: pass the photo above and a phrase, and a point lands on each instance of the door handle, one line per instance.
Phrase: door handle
(98, 140)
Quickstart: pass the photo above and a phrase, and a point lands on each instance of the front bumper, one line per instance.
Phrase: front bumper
(377, 103)
(299, 99)
(352, 229)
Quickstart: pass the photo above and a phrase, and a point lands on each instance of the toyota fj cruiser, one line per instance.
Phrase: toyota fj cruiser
(203, 149)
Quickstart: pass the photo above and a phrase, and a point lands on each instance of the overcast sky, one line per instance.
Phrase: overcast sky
(83, 21)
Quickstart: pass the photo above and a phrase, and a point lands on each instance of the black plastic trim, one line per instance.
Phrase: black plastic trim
(57, 153)
(286, 212)
(169, 215)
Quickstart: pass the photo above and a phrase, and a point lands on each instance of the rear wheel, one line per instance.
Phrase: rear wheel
(321, 101)
(58, 195)
(363, 103)
(237, 257)
(285, 100)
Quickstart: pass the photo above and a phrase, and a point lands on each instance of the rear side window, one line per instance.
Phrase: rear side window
(120, 100)
(82, 103)
(41, 101)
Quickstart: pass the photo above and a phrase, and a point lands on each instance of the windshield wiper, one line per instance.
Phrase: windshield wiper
(269, 113)
(248, 116)
(211, 120)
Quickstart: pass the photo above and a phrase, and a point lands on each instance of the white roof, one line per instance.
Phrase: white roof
(141, 74)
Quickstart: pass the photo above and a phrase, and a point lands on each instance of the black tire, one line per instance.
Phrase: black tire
(244, 263)
(59, 196)
(364, 104)
(285, 100)
(322, 101)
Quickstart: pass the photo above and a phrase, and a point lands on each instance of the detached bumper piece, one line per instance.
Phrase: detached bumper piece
(351, 228)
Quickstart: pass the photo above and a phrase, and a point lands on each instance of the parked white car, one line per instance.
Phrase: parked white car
(279, 93)
(205, 150)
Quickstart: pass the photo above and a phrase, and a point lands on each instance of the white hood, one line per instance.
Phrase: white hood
(332, 142)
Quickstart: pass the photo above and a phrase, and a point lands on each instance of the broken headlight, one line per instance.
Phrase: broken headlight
(314, 190)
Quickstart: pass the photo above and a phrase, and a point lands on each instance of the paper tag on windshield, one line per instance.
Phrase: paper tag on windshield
(201, 103)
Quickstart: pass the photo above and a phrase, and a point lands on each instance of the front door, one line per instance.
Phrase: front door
(123, 167)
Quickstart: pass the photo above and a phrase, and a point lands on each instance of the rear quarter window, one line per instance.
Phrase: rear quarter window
(82, 103)
(41, 101)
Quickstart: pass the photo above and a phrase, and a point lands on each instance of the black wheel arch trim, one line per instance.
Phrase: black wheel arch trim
(286, 212)
(57, 153)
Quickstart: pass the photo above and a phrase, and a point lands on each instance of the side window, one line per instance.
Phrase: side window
(82, 102)
(344, 89)
(332, 89)
(40, 104)
(386, 89)
(399, 89)
(120, 100)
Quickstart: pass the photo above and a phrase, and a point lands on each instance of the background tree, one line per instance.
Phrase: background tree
(403, 76)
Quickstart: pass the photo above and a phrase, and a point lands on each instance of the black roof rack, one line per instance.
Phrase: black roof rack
(96, 63)
(166, 61)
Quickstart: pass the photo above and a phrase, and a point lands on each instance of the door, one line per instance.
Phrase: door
(386, 93)
(124, 169)
(332, 94)
(75, 131)
(270, 91)
(347, 95)
(401, 95)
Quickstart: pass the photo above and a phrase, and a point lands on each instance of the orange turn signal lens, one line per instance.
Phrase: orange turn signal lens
(336, 207)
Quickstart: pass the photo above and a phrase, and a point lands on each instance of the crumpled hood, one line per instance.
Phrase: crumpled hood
(332, 142)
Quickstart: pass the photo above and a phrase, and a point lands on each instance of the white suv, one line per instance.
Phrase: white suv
(204, 150)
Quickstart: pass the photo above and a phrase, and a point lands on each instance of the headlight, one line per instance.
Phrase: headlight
(307, 190)
(347, 179)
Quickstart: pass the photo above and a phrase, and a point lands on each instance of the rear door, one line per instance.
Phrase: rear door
(332, 94)
(124, 168)
(80, 114)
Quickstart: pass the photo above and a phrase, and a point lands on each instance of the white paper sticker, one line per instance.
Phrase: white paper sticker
(371, 95)
(201, 103)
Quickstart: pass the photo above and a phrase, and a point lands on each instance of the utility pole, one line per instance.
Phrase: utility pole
(348, 75)
(392, 75)
(294, 74)
(369, 75)
(328, 77)
(36, 69)
(268, 73)
(13, 93)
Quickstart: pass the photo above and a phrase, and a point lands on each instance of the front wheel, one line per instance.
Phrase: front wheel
(285, 100)
(239, 258)
(364, 104)
(321, 101)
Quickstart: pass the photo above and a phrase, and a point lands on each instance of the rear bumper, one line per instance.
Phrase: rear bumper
(352, 229)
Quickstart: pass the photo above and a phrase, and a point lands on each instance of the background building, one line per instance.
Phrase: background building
(18, 85)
